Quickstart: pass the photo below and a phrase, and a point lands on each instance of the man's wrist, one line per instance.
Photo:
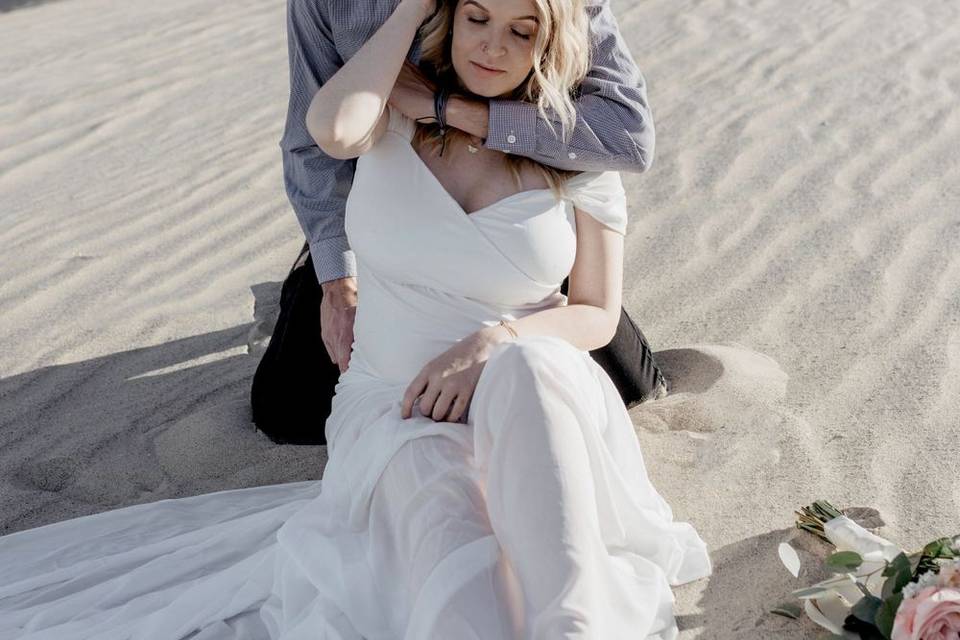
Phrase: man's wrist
(468, 114)
(336, 283)
(341, 292)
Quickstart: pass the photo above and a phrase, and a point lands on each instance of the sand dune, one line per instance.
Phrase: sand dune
(792, 255)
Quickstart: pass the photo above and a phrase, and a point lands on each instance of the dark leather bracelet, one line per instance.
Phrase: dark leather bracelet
(440, 97)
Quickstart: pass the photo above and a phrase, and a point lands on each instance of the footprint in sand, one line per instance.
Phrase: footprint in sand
(52, 474)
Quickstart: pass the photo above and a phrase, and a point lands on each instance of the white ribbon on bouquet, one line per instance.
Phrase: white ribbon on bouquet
(828, 603)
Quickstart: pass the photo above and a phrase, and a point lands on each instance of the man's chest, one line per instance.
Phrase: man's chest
(353, 22)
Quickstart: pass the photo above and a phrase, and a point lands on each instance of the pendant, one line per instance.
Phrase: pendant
(471, 148)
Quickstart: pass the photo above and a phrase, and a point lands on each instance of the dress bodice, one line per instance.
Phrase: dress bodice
(427, 268)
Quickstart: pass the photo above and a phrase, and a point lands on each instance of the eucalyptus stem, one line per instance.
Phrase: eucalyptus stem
(813, 517)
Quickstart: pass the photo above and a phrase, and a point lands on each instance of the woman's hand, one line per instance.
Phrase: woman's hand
(447, 382)
(429, 7)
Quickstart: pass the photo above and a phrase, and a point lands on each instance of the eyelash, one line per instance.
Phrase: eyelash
(522, 36)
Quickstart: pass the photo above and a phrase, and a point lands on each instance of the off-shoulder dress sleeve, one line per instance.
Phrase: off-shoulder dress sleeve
(601, 194)
(400, 123)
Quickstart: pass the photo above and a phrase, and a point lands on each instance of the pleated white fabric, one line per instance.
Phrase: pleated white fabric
(534, 519)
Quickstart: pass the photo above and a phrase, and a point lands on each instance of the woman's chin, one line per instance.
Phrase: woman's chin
(485, 90)
(481, 90)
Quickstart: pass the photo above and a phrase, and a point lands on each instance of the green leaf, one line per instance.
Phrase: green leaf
(901, 570)
(886, 614)
(824, 587)
(811, 592)
(939, 548)
(899, 561)
(864, 630)
(788, 610)
(915, 561)
(844, 561)
(866, 608)
(888, 586)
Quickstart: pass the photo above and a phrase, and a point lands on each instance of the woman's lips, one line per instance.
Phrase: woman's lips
(484, 69)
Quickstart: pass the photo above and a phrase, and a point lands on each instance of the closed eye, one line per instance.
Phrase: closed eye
(523, 36)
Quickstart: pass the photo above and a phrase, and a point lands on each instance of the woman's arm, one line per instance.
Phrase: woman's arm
(347, 114)
(594, 298)
(589, 321)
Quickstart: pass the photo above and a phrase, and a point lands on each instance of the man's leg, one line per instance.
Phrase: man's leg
(628, 360)
(294, 384)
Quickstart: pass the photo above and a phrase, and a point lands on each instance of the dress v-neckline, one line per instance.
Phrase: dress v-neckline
(443, 190)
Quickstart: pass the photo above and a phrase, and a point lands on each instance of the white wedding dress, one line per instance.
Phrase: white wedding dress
(534, 519)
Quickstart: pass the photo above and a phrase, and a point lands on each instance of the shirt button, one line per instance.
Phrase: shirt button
(571, 155)
(511, 138)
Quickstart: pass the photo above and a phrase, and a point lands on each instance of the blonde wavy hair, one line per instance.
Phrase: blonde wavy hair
(561, 59)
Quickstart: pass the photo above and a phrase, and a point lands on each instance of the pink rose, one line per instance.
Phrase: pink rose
(933, 613)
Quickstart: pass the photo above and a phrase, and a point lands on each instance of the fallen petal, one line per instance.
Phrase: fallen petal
(790, 558)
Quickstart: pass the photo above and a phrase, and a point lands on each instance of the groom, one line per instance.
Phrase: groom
(614, 131)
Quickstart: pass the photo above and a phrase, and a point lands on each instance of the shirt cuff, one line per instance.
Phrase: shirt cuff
(512, 126)
(333, 258)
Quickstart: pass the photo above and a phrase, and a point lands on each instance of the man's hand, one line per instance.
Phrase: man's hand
(338, 310)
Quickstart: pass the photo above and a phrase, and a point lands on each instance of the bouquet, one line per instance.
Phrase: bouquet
(879, 592)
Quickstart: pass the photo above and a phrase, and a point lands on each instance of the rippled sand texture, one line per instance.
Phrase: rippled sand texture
(793, 255)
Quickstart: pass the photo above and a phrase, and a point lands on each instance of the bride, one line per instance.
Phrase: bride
(484, 480)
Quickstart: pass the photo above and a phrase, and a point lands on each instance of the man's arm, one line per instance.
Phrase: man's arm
(316, 184)
(614, 129)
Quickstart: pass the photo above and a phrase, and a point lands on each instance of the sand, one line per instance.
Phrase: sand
(792, 257)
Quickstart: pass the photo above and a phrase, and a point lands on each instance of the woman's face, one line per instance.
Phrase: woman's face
(492, 45)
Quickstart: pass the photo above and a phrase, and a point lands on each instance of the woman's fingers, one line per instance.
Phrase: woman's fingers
(443, 398)
(413, 391)
(457, 411)
(429, 397)
(442, 406)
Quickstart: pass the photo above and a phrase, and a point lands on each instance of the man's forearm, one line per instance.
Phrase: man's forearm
(601, 140)
(315, 183)
(599, 153)
(614, 127)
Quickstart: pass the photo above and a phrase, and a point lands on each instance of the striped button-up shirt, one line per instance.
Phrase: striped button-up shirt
(614, 129)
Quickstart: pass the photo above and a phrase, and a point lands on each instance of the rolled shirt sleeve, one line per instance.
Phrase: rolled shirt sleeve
(614, 128)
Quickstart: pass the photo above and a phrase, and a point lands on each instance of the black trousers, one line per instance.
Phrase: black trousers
(294, 382)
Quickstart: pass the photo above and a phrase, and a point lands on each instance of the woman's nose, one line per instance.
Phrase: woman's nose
(493, 48)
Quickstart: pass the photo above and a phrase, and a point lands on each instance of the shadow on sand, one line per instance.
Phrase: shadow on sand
(150, 423)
